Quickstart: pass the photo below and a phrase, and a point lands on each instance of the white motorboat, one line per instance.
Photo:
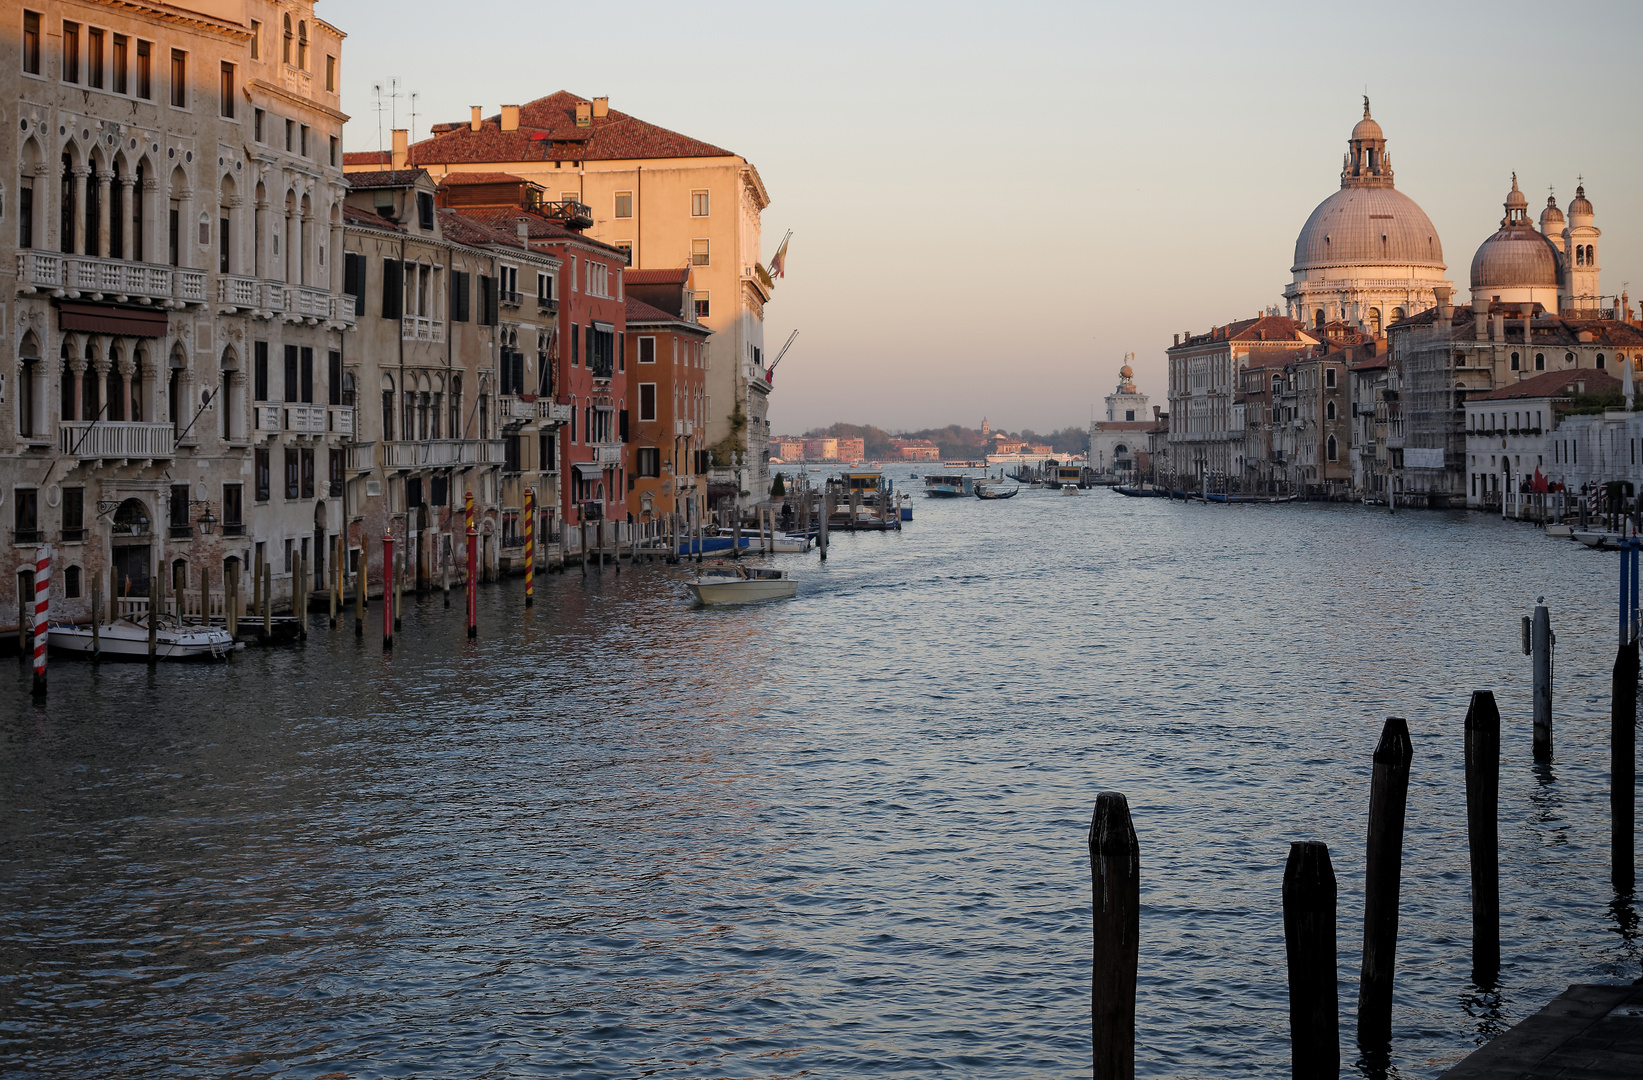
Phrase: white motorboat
(128, 637)
(741, 585)
(791, 542)
(1560, 530)
(1598, 539)
(1071, 489)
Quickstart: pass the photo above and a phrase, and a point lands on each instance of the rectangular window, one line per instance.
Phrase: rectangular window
(145, 70)
(259, 371)
(71, 52)
(121, 61)
(256, 40)
(71, 582)
(25, 214)
(263, 479)
(698, 204)
(460, 296)
(425, 210)
(624, 204)
(335, 143)
(233, 509)
(179, 79)
(94, 58)
(179, 511)
(26, 515)
(333, 377)
(647, 401)
(74, 514)
(336, 460)
(227, 91)
(487, 300)
(647, 350)
(290, 135)
(293, 474)
(257, 118)
(353, 276)
(330, 74)
(647, 461)
(698, 253)
(306, 455)
(307, 387)
(544, 287)
(173, 226)
(393, 288)
(31, 42)
(303, 145)
(575, 345)
(290, 388)
(701, 305)
(222, 245)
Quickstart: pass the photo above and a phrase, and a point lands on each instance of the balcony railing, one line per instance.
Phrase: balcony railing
(511, 298)
(342, 420)
(237, 293)
(362, 457)
(183, 531)
(305, 419)
(28, 536)
(517, 410)
(552, 410)
(267, 418)
(443, 453)
(547, 304)
(421, 328)
(607, 453)
(344, 310)
(492, 451)
(116, 439)
(684, 427)
(115, 279)
(602, 371)
(307, 303)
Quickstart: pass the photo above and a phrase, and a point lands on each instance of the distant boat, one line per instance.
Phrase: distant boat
(741, 585)
(791, 542)
(1071, 489)
(948, 485)
(1141, 492)
(709, 545)
(991, 491)
(1598, 539)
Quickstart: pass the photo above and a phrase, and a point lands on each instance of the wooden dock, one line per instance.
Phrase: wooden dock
(1586, 1033)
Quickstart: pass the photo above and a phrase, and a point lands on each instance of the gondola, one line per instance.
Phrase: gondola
(984, 491)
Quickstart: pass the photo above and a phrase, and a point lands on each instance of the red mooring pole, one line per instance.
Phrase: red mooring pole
(530, 547)
(42, 610)
(473, 570)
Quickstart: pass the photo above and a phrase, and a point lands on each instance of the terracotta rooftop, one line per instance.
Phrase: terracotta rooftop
(506, 218)
(677, 275)
(367, 157)
(354, 215)
(1555, 384)
(640, 312)
(1548, 329)
(458, 179)
(548, 132)
(365, 181)
(462, 228)
(1273, 328)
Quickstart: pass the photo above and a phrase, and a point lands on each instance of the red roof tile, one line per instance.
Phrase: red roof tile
(458, 179)
(365, 181)
(367, 157)
(639, 312)
(463, 229)
(540, 228)
(677, 275)
(1555, 384)
(548, 132)
(354, 215)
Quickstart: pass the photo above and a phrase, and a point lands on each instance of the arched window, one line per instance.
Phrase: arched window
(1397, 314)
(1329, 411)
(1517, 363)
(302, 45)
(1580, 255)
(1318, 318)
(65, 236)
(1591, 255)
(116, 388)
(1569, 358)
(1332, 448)
(1600, 364)
(1375, 321)
(1540, 361)
(90, 406)
(388, 408)
(285, 50)
(138, 363)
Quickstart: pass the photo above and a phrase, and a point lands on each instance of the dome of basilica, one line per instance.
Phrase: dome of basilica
(1367, 225)
(1517, 256)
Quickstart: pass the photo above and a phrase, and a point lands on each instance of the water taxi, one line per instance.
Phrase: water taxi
(128, 637)
(949, 485)
(741, 585)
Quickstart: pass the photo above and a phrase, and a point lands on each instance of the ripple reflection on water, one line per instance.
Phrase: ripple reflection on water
(624, 837)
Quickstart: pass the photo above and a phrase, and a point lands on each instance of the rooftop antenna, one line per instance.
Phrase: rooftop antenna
(413, 116)
(376, 104)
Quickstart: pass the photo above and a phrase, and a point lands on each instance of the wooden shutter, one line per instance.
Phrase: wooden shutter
(393, 288)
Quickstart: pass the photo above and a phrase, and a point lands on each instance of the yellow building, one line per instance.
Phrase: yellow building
(670, 201)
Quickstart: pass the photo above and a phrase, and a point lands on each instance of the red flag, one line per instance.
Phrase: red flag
(1539, 483)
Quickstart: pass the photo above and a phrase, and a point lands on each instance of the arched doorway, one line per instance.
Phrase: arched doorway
(131, 533)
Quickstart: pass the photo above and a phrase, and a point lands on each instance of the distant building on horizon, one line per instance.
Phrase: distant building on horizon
(1115, 441)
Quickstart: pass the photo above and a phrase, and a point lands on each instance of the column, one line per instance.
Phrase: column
(129, 408)
(152, 234)
(103, 182)
(127, 184)
(82, 178)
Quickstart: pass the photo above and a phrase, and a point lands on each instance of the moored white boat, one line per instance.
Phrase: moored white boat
(792, 542)
(129, 637)
(741, 585)
(1598, 538)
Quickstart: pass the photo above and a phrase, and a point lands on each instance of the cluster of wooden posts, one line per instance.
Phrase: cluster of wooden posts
(1309, 887)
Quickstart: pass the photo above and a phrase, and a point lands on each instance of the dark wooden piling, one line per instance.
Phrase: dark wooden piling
(1483, 832)
(1115, 871)
(1383, 871)
(1623, 769)
(1540, 647)
(97, 615)
(359, 591)
(154, 605)
(1309, 941)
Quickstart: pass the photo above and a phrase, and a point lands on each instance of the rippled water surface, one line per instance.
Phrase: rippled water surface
(622, 837)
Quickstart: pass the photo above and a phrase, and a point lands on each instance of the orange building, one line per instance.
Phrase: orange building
(667, 381)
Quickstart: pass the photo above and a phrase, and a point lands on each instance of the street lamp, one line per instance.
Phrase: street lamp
(207, 522)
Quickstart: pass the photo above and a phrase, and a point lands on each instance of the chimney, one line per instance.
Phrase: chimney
(601, 107)
(401, 158)
(1500, 327)
(1177, 339)
(474, 120)
(1156, 409)
(1446, 310)
(510, 118)
(1480, 317)
(584, 114)
(522, 229)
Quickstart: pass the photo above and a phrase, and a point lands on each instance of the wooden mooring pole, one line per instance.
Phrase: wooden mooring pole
(1383, 870)
(1483, 832)
(1115, 872)
(231, 597)
(388, 576)
(530, 547)
(1623, 732)
(360, 590)
(1539, 647)
(96, 615)
(1309, 941)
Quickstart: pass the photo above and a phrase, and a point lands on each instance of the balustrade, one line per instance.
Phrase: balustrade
(116, 439)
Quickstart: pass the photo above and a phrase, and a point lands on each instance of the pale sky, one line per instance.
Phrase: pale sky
(993, 203)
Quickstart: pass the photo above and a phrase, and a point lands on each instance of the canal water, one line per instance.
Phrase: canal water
(838, 836)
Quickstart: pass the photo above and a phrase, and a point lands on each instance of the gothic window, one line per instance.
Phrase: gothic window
(1516, 362)
(1332, 448)
(1540, 361)
(1329, 411)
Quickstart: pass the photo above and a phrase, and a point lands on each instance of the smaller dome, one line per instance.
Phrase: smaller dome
(1515, 199)
(1581, 205)
(1551, 213)
(1367, 130)
(1126, 372)
(1515, 257)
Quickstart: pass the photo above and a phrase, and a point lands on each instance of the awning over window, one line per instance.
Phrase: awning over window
(108, 319)
(604, 327)
(590, 469)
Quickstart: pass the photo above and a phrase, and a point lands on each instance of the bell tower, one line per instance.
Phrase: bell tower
(1580, 257)
(1366, 164)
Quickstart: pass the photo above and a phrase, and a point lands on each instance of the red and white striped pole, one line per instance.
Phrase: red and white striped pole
(42, 610)
(388, 590)
(530, 547)
(473, 569)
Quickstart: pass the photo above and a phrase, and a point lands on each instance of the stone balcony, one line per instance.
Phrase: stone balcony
(684, 428)
(421, 328)
(302, 418)
(108, 439)
(552, 411)
(607, 453)
(119, 280)
(442, 453)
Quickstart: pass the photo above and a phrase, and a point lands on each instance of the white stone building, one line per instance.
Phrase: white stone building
(1117, 441)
